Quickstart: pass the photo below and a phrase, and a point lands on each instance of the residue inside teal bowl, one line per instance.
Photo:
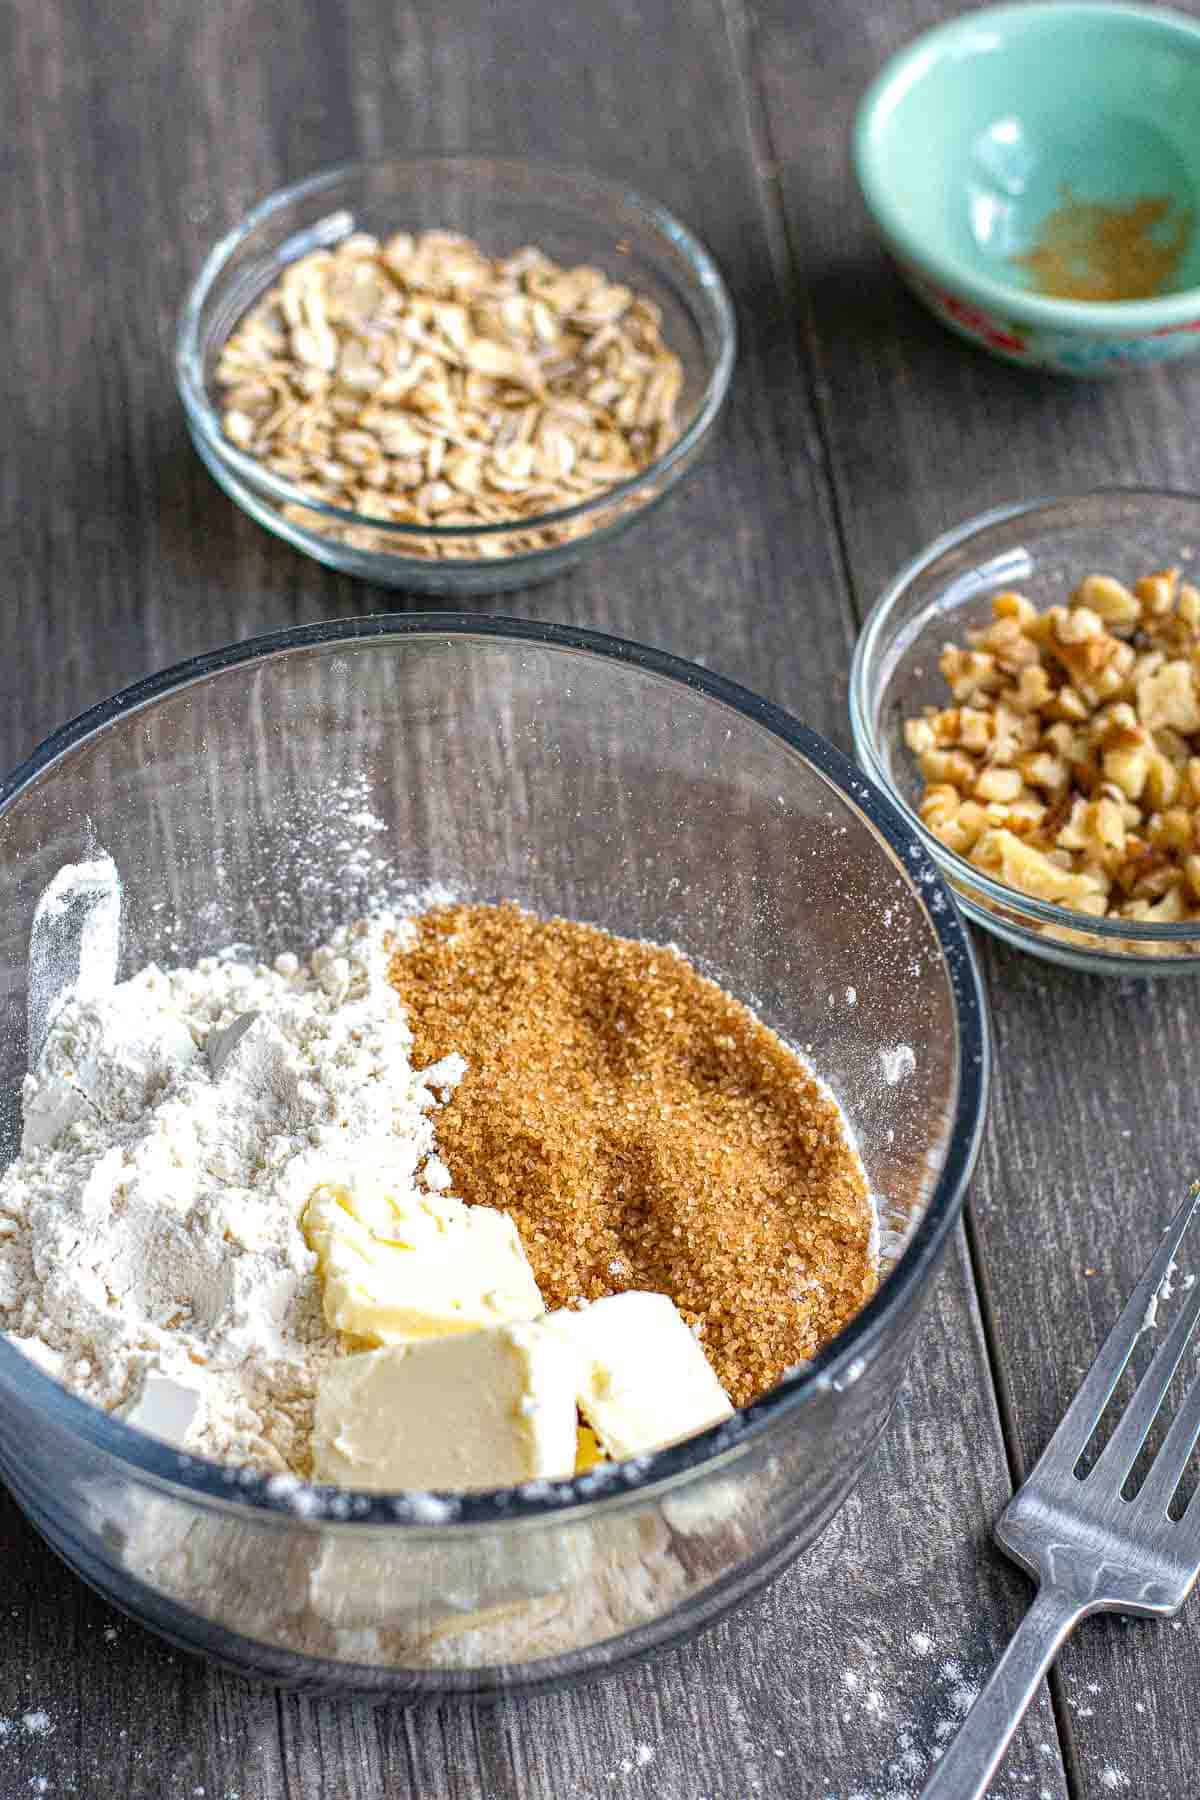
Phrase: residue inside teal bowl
(973, 141)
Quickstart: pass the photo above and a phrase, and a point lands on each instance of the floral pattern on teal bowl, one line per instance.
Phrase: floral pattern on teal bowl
(1063, 352)
(970, 140)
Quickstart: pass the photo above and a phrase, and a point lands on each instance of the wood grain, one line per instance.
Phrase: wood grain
(1092, 1139)
(135, 135)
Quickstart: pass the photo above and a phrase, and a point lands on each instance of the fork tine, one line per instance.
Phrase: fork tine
(1117, 1458)
(1171, 1461)
(1080, 1418)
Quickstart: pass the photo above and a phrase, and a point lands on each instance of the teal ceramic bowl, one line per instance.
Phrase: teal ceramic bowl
(970, 144)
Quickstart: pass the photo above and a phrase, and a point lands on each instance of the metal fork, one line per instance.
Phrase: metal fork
(1088, 1549)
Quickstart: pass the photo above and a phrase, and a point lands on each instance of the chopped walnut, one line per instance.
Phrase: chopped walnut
(1068, 766)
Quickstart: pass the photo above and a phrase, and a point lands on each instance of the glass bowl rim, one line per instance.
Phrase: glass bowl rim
(202, 415)
(866, 746)
(1103, 318)
(839, 1364)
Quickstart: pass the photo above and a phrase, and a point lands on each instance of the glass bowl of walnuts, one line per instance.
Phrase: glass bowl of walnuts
(1028, 690)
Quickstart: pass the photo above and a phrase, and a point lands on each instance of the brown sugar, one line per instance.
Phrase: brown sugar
(643, 1130)
(1089, 251)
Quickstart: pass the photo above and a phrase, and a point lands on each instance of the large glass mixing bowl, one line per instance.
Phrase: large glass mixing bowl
(262, 794)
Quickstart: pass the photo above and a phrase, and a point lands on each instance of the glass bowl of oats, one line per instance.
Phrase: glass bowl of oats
(1028, 691)
(253, 802)
(454, 374)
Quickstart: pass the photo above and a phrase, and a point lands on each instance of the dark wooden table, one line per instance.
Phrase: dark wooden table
(134, 135)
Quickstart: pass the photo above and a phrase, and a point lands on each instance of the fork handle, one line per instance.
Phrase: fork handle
(972, 1757)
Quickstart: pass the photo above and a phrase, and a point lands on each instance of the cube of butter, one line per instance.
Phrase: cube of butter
(644, 1381)
(481, 1410)
(434, 1268)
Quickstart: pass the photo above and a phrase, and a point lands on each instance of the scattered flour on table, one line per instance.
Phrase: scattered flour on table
(898, 1063)
(643, 1756)
(911, 1698)
(36, 1723)
(150, 1250)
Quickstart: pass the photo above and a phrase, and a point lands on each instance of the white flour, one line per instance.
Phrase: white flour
(150, 1251)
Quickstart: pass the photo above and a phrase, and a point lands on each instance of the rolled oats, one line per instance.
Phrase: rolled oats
(1069, 765)
(420, 382)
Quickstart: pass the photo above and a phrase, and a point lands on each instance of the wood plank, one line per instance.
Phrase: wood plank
(124, 557)
(1092, 1137)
